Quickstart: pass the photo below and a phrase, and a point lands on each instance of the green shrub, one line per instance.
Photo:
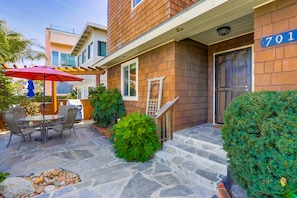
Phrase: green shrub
(260, 137)
(108, 106)
(135, 137)
(3, 176)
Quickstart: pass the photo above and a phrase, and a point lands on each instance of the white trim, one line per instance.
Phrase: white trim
(214, 73)
(262, 4)
(129, 98)
(134, 7)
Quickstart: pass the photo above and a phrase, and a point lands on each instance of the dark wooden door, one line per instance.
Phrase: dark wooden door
(232, 78)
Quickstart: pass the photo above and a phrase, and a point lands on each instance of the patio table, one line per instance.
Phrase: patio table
(44, 120)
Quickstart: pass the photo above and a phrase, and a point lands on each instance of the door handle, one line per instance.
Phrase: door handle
(246, 88)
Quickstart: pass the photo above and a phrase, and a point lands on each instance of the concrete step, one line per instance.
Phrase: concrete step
(214, 162)
(197, 153)
(196, 172)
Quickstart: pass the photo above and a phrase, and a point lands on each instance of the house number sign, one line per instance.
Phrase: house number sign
(278, 39)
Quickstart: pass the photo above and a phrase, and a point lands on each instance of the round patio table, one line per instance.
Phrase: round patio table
(44, 120)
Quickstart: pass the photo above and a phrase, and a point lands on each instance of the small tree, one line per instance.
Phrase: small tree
(108, 106)
(6, 92)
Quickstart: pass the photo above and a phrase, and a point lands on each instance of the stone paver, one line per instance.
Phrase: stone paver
(92, 157)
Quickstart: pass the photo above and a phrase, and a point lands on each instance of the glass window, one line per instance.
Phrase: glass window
(67, 60)
(90, 50)
(78, 60)
(83, 56)
(101, 48)
(136, 2)
(55, 58)
(130, 80)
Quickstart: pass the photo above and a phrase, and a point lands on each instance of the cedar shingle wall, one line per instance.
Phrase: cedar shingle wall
(184, 64)
(276, 66)
(126, 23)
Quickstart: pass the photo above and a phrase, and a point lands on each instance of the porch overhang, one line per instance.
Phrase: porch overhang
(198, 22)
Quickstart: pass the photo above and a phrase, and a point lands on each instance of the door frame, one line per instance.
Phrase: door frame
(214, 74)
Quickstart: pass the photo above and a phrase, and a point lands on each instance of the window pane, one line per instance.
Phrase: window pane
(101, 48)
(136, 2)
(63, 59)
(133, 79)
(55, 58)
(126, 80)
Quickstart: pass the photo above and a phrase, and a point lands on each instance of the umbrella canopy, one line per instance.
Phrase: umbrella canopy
(41, 73)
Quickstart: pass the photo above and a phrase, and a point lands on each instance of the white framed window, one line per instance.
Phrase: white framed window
(136, 3)
(129, 80)
(90, 50)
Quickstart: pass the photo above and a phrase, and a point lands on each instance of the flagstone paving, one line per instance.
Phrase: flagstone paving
(102, 174)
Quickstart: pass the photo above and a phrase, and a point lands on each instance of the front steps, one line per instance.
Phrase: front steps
(196, 153)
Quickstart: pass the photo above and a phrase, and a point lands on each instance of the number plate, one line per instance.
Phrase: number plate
(278, 39)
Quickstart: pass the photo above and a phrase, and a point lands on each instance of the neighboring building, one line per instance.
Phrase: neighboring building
(58, 45)
(89, 49)
(66, 49)
(179, 40)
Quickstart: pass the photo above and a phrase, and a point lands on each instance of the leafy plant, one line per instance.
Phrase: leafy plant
(260, 135)
(3, 176)
(135, 137)
(6, 92)
(108, 106)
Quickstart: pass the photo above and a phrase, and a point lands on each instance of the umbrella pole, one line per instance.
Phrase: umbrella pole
(43, 98)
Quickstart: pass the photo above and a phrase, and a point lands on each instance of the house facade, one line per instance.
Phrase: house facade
(208, 52)
(89, 48)
(58, 46)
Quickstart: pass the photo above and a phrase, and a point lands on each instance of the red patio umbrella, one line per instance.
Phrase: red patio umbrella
(41, 73)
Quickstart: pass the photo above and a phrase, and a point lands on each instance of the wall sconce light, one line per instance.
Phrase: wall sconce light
(222, 31)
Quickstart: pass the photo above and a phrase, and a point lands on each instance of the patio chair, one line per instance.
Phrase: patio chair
(15, 129)
(68, 124)
(19, 112)
(63, 110)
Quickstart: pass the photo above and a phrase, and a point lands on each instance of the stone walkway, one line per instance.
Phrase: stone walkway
(92, 156)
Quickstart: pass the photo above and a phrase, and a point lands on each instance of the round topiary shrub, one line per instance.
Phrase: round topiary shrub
(260, 137)
(135, 137)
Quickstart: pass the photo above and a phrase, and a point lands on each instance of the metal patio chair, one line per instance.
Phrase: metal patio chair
(68, 124)
(16, 129)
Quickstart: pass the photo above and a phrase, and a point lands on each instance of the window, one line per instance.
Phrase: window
(83, 56)
(67, 60)
(55, 58)
(78, 60)
(101, 48)
(136, 2)
(90, 50)
(129, 80)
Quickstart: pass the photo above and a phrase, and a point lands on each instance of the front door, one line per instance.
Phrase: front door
(232, 78)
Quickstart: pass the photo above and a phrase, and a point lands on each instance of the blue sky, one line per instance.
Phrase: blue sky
(31, 17)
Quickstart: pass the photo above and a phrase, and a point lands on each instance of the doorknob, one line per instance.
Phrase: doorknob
(246, 88)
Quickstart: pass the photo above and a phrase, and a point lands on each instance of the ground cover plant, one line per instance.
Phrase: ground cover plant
(260, 137)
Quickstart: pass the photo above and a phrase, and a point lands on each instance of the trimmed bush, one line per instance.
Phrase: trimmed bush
(260, 137)
(135, 137)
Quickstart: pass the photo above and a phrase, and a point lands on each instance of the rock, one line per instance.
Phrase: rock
(49, 188)
(237, 192)
(55, 173)
(61, 178)
(11, 187)
(39, 180)
(39, 189)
